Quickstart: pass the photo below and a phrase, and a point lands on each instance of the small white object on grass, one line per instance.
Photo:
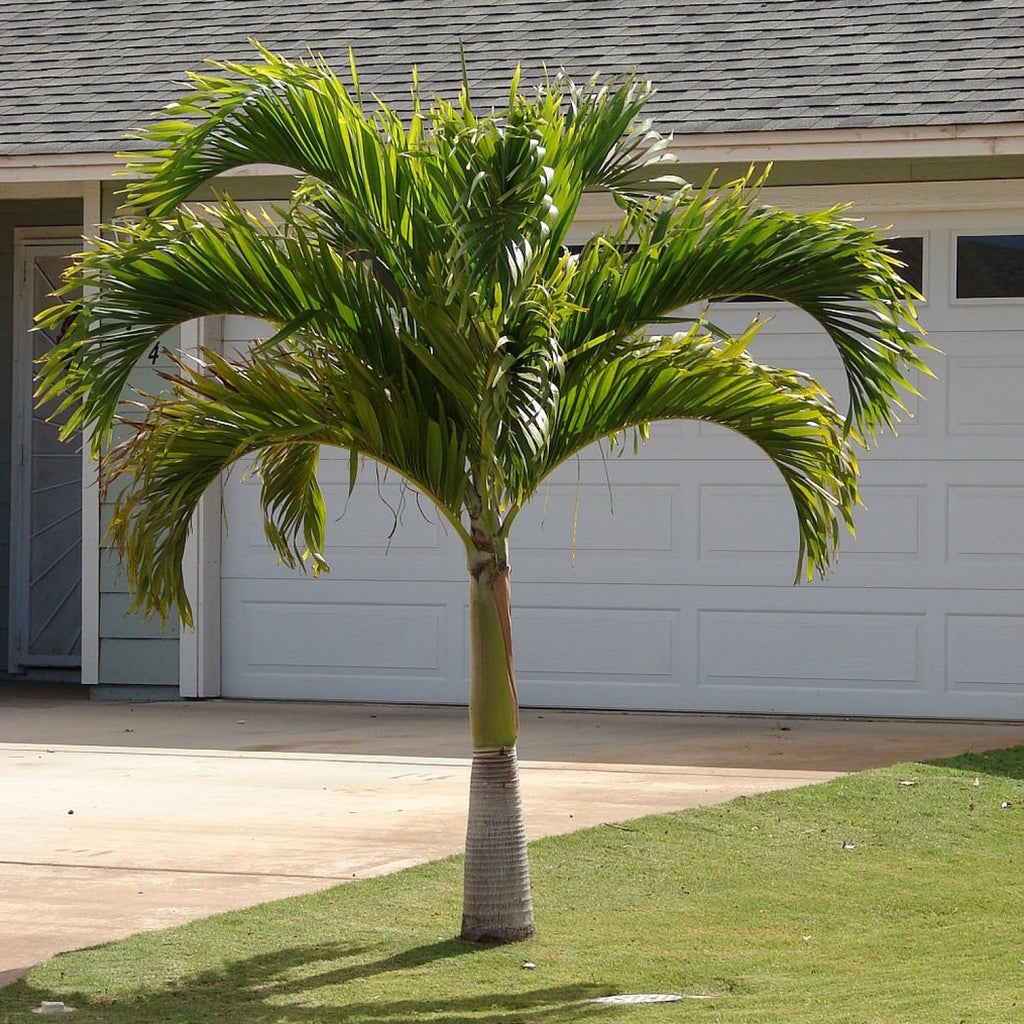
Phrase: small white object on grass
(643, 997)
(53, 1007)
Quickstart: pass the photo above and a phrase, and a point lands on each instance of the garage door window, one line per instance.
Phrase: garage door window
(908, 248)
(990, 266)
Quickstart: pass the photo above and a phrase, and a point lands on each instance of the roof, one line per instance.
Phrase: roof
(76, 74)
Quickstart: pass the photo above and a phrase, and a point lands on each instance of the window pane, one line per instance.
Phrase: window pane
(989, 266)
(910, 250)
(627, 248)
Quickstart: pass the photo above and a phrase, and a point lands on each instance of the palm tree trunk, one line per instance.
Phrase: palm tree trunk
(497, 904)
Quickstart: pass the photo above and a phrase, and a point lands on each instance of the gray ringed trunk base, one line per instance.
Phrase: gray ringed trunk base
(497, 906)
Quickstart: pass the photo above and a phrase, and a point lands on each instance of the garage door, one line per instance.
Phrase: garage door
(664, 581)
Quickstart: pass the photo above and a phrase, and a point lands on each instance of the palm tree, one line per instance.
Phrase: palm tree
(431, 318)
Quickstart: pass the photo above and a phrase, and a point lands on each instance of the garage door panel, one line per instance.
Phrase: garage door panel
(810, 650)
(986, 525)
(944, 317)
(743, 522)
(573, 642)
(985, 655)
(609, 647)
(621, 521)
(343, 642)
(384, 518)
(891, 528)
(353, 635)
(748, 530)
(363, 538)
(991, 334)
(596, 519)
(984, 395)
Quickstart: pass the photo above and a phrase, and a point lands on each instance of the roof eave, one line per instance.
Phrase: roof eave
(965, 140)
(58, 167)
(65, 167)
(913, 141)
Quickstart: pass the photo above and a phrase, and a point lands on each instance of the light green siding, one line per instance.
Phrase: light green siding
(133, 661)
(133, 651)
(118, 622)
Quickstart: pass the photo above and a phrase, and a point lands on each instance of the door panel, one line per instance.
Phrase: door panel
(46, 492)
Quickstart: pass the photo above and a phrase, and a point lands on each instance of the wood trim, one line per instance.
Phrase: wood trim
(897, 141)
(91, 218)
(851, 143)
(75, 168)
(199, 648)
(598, 211)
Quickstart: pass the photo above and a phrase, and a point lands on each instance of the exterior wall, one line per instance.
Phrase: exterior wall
(132, 651)
(16, 213)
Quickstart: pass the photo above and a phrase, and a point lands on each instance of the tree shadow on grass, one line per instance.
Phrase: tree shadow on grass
(1008, 762)
(312, 984)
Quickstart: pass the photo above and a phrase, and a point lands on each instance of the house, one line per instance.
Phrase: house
(671, 589)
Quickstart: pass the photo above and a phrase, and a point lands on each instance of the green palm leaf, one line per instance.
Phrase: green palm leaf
(693, 376)
(713, 245)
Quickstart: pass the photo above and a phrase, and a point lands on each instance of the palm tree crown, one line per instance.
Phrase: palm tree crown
(429, 316)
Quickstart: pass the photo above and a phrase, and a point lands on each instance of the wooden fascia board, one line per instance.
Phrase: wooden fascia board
(978, 140)
(851, 144)
(57, 168)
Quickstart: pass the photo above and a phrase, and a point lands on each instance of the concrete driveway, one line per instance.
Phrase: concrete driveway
(116, 818)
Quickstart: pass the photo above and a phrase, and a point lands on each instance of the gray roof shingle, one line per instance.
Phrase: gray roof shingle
(76, 74)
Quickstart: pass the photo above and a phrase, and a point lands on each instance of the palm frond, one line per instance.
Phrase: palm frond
(427, 315)
(694, 376)
(613, 149)
(293, 504)
(298, 115)
(268, 406)
(718, 244)
(158, 274)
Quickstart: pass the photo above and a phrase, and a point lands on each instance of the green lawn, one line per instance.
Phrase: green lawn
(868, 899)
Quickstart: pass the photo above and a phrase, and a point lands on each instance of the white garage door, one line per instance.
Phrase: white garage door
(681, 597)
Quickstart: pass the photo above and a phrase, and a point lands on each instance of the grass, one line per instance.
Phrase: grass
(889, 896)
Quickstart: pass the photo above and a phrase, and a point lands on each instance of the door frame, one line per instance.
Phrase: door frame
(27, 242)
